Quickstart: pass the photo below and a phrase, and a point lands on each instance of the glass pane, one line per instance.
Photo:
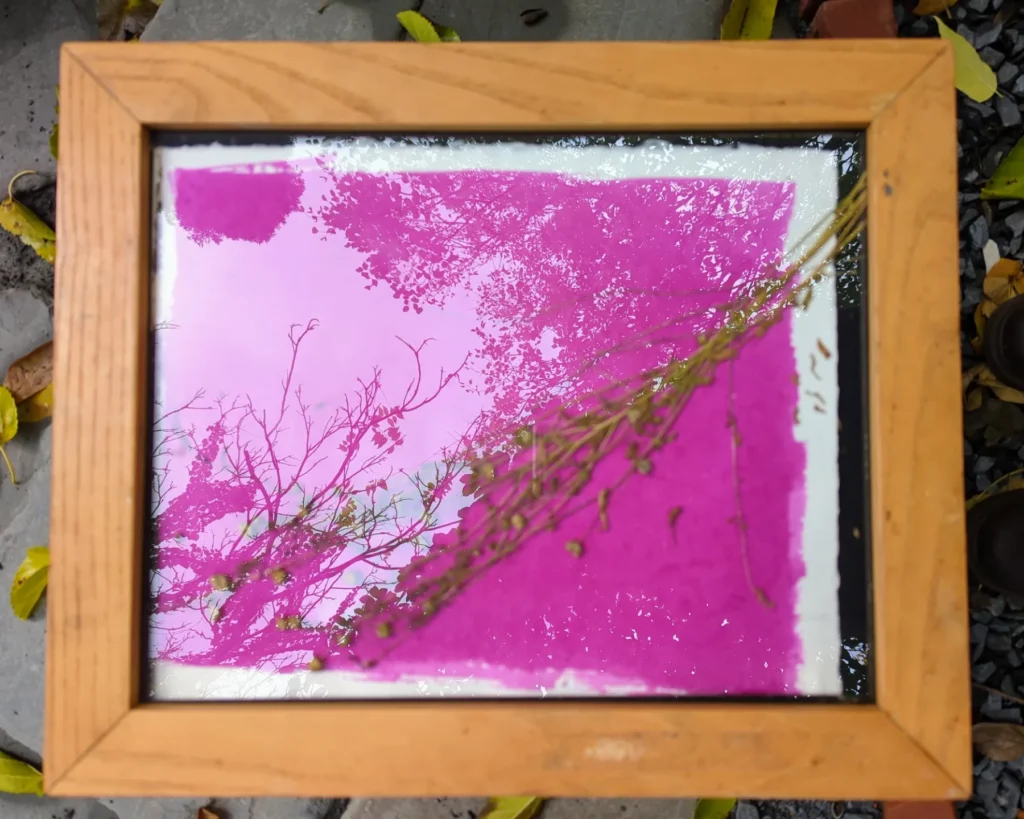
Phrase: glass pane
(505, 416)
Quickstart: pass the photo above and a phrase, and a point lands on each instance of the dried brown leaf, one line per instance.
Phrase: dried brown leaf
(31, 373)
(1000, 280)
(1004, 393)
(1001, 741)
(924, 7)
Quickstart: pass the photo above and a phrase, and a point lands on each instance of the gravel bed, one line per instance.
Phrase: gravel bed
(993, 434)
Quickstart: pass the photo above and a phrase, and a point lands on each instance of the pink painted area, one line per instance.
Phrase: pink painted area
(339, 359)
(261, 200)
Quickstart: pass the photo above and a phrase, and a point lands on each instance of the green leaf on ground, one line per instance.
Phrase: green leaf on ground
(713, 808)
(30, 581)
(447, 34)
(973, 76)
(19, 777)
(512, 807)
(419, 27)
(1008, 180)
(749, 20)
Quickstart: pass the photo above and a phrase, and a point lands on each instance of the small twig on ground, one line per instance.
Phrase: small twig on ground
(1002, 694)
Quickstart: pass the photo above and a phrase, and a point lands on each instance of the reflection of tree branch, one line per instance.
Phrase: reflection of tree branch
(304, 545)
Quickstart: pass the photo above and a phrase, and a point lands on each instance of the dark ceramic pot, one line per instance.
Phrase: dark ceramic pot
(995, 542)
(1004, 343)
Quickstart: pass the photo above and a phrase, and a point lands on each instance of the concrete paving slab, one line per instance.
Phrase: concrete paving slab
(580, 19)
(273, 808)
(276, 20)
(414, 808)
(618, 809)
(226, 808)
(127, 808)
(34, 807)
(24, 518)
(553, 809)
(31, 34)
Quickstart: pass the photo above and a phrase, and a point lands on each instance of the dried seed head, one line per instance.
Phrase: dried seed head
(288, 623)
(279, 576)
(383, 630)
(316, 664)
(524, 437)
(575, 548)
(220, 582)
(518, 521)
(643, 466)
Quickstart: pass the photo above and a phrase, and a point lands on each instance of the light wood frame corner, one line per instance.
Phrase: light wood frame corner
(914, 742)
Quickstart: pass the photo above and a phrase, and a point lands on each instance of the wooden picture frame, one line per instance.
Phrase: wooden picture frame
(912, 742)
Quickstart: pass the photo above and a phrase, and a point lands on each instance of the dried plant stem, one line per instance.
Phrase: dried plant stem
(740, 520)
(530, 495)
(1002, 694)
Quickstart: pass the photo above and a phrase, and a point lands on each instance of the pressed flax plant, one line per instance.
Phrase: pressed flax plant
(531, 480)
(528, 478)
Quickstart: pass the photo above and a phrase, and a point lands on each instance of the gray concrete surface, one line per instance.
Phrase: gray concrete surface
(31, 32)
(276, 20)
(580, 19)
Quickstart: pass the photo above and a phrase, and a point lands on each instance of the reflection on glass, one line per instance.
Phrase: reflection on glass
(493, 417)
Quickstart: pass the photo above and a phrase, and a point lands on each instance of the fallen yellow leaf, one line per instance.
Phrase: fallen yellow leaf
(1002, 279)
(970, 375)
(30, 581)
(980, 320)
(973, 401)
(19, 221)
(973, 76)
(8, 426)
(19, 777)
(1004, 393)
(37, 407)
(512, 807)
(749, 20)
(206, 813)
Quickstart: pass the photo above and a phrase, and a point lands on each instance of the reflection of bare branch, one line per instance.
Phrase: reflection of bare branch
(295, 542)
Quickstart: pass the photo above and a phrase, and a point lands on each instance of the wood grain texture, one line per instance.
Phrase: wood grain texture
(100, 740)
(99, 372)
(547, 749)
(489, 86)
(920, 576)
